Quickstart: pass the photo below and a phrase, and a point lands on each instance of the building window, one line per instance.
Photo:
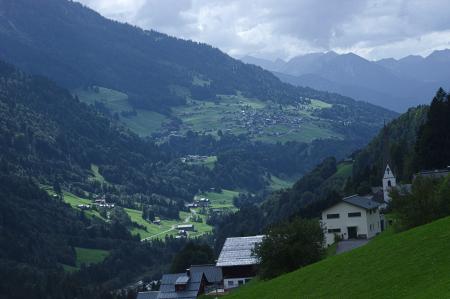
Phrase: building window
(240, 282)
(231, 283)
(389, 184)
(332, 216)
(334, 230)
(355, 214)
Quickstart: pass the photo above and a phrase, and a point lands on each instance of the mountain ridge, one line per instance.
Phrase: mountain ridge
(391, 83)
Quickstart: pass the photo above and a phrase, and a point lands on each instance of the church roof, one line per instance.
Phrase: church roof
(388, 173)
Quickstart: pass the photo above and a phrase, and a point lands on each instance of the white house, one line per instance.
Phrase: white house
(389, 182)
(354, 217)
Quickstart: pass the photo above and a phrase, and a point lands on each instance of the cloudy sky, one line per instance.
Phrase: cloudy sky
(285, 28)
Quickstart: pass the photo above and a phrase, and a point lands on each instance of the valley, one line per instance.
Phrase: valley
(135, 164)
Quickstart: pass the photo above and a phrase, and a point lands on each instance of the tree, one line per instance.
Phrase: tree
(433, 139)
(192, 254)
(290, 246)
(57, 188)
(428, 201)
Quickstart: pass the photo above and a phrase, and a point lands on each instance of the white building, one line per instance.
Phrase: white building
(389, 182)
(354, 217)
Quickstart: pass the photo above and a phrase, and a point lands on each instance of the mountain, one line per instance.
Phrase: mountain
(380, 269)
(390, 83)
(159, 85)
(76, 47)
(432, 68)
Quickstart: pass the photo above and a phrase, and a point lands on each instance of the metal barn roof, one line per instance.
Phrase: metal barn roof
(238, 251)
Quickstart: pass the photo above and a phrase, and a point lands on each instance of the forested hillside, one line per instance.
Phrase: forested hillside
(51, 37)
(80, 49)
(50, 136)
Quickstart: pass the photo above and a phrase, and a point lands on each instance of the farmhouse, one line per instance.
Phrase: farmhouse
(237, 261)
(202, 202)
(185, 227)
(354, 217)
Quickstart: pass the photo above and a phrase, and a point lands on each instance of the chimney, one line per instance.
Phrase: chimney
(188, 272)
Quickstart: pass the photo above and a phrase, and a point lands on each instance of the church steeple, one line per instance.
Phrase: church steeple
(389, 182)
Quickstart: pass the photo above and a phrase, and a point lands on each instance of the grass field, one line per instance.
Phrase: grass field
(222, 200)
(277, 183)
(344, 169)
(86, 256)
(167, 227)
(74, 201)
(209, 162)
(90, 256)
(97, 176)
(144, 123)
(412, 264)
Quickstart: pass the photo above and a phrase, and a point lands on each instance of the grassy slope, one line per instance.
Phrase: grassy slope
(153, 230)
(144, 123)
(412, 264)
(90, 256)
(167, 227)
(277, 183)
(222, 200)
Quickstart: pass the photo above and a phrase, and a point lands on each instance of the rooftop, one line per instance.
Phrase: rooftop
(365, 202)
(239, 251)
(168, 282)
(212, 273)
(435, 172)
(147, 295)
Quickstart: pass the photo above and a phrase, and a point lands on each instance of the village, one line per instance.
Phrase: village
(238, 115)
(349, 224)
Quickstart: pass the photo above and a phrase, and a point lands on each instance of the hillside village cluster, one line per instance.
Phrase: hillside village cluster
(354, 217)
(272, 120)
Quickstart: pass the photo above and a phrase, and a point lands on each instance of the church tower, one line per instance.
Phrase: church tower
(389, 182)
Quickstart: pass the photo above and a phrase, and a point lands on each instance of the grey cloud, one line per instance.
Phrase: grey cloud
(285, 28)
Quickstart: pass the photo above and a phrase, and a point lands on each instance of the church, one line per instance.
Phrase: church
(359, 217)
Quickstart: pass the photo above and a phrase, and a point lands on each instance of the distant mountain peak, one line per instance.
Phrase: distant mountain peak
(440, 54)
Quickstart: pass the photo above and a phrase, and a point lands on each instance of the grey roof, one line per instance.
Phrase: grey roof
(168, 281)
(212, 273)
(434, 173)
(148, 295)
(365, 202)
(182, 280)
(238, 251)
